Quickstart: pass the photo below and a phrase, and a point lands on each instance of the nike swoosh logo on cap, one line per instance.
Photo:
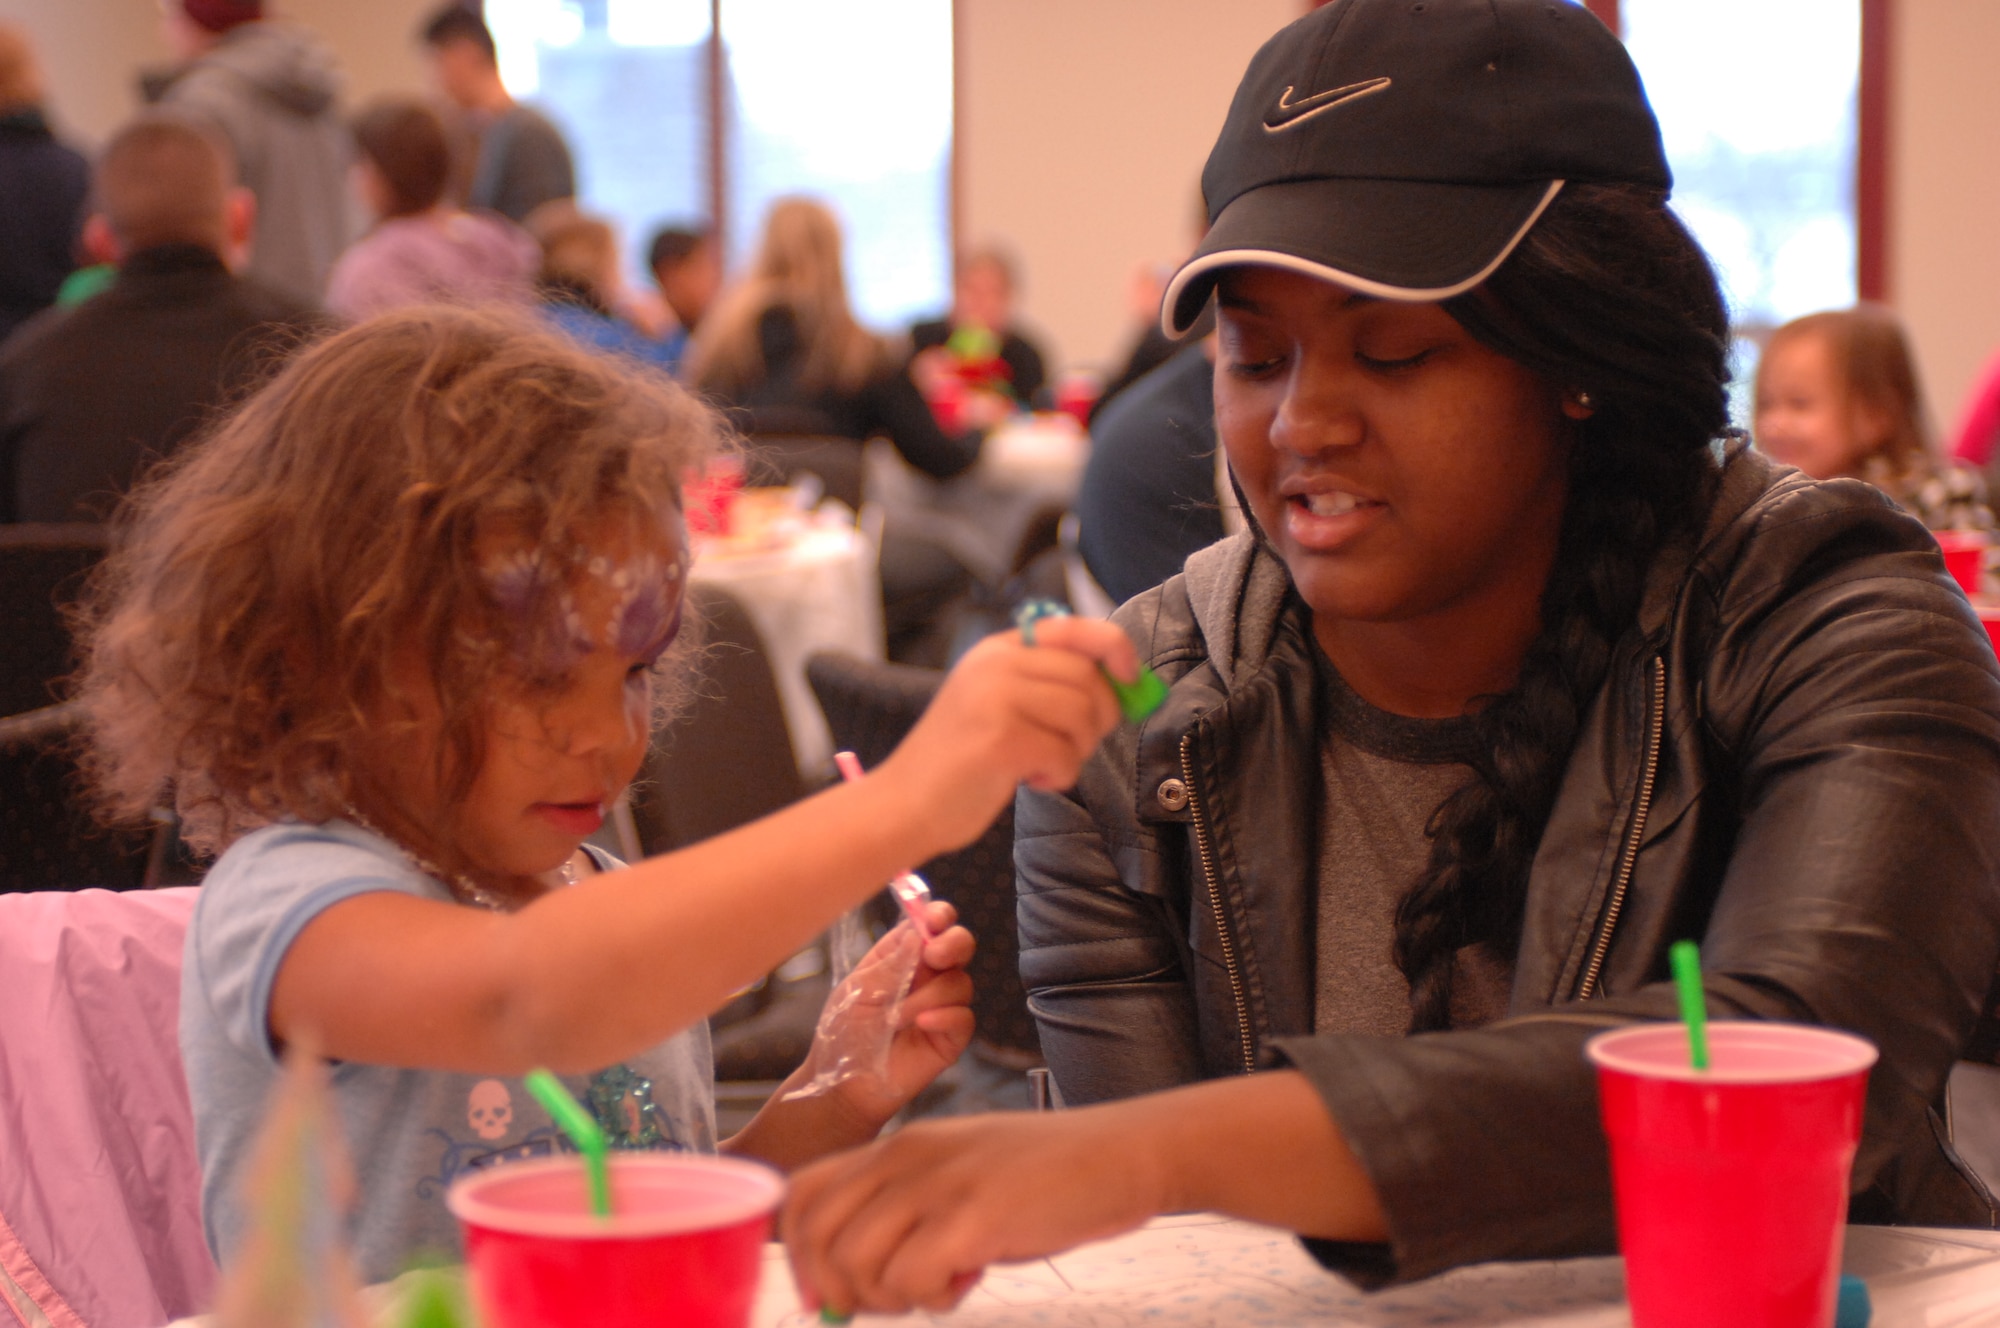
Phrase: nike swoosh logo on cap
(1288, 112)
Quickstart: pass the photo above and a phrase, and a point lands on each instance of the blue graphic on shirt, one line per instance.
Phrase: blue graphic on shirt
(620, 1098)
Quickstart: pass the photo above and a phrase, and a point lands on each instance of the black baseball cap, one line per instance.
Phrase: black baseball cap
(1403, 147)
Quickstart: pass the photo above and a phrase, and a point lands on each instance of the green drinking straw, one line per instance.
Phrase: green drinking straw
(584, 1132)
(1685, 957)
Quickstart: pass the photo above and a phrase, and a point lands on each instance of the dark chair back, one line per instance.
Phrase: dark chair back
(727, 759)
(48, 840)
(783, 458)
(42, 570)
(870, 707)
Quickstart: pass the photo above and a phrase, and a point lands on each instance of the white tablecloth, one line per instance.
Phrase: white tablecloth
(1028, 464)
(1202, 1270)
(819, 591)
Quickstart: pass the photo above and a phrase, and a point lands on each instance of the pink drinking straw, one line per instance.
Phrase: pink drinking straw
(908, 887)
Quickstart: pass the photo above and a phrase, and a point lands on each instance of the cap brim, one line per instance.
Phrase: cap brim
(1394, 239)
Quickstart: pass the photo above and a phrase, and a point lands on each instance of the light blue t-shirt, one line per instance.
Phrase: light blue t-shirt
(410, 1132)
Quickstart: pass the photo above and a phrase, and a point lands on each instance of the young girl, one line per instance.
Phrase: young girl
(390, 640)
(1525, 671)
(1837, 396)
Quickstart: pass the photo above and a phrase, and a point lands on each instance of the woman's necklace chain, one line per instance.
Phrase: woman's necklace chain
(463, 887)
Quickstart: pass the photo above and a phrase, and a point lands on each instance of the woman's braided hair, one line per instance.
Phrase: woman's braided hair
(1608, 295)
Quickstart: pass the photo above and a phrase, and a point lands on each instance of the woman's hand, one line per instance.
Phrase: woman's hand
(914, 1219)
(1009, 713)
(933, 1022)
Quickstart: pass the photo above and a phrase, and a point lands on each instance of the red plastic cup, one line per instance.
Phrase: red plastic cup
(1990, 618)
(1731, 1182)
(710, 497)
(684, 1247)
(1964, 556)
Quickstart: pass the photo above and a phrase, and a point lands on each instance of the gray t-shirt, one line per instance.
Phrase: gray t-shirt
(1385, 775)
(523, 163)
(410, 1132)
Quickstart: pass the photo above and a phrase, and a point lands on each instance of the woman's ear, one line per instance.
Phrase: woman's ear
(1578, 405)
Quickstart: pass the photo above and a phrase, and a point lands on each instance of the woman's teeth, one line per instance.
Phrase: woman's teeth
(1331, 504)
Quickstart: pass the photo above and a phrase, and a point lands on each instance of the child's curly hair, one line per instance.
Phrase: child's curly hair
(237, 642)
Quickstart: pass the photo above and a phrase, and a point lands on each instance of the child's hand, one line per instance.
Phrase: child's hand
(933, 1023)
(913, 1219)
(1009, 713)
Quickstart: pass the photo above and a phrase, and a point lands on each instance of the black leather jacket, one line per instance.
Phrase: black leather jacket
(1795, 759)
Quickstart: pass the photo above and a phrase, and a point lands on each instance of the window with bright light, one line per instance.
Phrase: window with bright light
(1757, 103)
(851, 102)
(1758, 106)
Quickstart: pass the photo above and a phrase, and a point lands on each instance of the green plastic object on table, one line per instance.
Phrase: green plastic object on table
(434, 1302)
(1138, 700)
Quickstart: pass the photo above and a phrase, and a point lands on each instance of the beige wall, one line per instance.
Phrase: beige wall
(1083, 125)
(1944, 209)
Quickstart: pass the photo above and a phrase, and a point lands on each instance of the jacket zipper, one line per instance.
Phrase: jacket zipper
(1207, 855)
(1629, 856)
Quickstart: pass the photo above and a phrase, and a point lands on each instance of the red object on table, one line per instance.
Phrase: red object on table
(1964, 556)
(1731, 1183)
(1076, 395)
(710, 497)
(684, 1247)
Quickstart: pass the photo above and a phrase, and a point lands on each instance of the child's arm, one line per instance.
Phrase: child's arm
(933, 1029)
(605, 969)
(913, 1220)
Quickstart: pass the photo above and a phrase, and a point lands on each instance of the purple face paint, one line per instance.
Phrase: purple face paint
(535, 598)
(539, 598)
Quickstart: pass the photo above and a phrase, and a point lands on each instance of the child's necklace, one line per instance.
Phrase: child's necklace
(463, 888)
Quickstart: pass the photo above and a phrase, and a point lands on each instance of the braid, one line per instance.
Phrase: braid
(1610, 295)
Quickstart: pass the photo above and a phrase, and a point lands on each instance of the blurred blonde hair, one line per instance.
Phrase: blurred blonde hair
(20, 76)
(237, 643)
(798, 267)
(1874, 369)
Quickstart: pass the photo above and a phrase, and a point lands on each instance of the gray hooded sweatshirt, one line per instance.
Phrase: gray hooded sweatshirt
(274, 90)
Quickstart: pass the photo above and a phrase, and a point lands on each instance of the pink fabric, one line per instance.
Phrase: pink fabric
(100, 1189)
(1981, 425)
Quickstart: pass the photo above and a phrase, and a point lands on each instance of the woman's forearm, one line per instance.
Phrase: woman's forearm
(1262, 1148)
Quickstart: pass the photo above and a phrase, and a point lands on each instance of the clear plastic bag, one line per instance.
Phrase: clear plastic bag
(858, 1024)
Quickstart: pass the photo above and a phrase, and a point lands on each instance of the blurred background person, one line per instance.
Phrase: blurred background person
(92, 394)
(273, 90)
(1837, 395)
(423, 247)
(42, 188)
(981, 322)
(686, 263)
(520, 161)
(783, 349)
(580, 287)
(1155, 488)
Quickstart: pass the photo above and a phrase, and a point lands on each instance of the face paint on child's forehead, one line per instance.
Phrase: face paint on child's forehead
(562, 608)
(645, 610)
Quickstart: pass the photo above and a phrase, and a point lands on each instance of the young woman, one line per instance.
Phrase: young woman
(1527, 670)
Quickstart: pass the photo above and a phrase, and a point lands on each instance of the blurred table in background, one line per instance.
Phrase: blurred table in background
(1028, 465)
(808, 585)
